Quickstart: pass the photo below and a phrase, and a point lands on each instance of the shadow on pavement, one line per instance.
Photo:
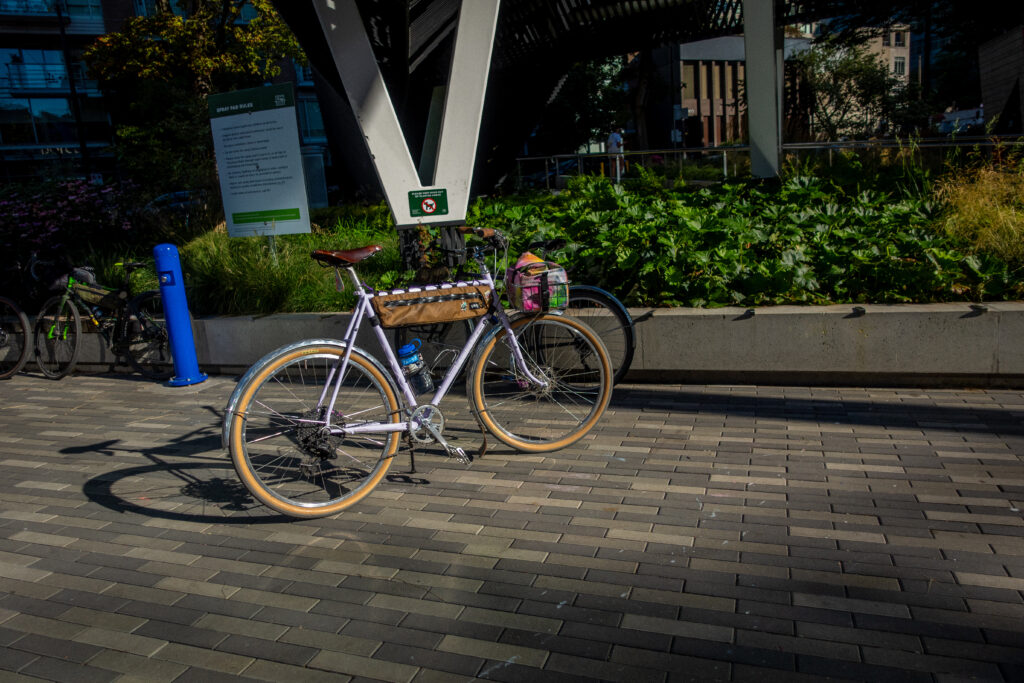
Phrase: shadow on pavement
(903, 411)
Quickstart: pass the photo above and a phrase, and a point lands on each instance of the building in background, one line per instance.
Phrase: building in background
(706, 84)
(1001, 62)
(51, 113)
(53, 117)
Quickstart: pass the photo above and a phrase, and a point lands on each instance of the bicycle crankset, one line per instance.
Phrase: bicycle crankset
(426, 423)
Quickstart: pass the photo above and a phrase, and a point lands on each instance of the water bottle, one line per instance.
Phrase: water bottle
(415, 370)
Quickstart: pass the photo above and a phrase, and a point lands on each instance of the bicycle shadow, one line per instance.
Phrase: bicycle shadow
(197, 488)
(906, 412)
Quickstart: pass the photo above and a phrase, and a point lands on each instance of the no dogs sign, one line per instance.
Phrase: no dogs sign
(428, 203)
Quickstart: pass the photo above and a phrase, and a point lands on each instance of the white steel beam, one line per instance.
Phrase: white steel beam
(762, 45)
(373, 108)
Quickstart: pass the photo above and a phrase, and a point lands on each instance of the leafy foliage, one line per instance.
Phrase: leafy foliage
(246, 275)
(808, 241)
(158, 71)
(987, 208)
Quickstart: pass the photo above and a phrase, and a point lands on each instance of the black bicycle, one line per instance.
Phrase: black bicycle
(133, 327)
(14, 338)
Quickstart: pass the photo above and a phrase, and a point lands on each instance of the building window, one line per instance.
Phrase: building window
(16, 122)
(53, 120)
(311, 121)
(49, 121)
(899, 66)
(885, 39)
(84, 8)
(898, 38)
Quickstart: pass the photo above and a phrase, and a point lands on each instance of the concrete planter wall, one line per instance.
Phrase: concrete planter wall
(917, 345)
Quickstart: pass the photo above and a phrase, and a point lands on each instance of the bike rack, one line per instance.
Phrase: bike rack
(179, 325)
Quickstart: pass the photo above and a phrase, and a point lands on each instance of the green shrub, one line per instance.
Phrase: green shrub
(985, 207)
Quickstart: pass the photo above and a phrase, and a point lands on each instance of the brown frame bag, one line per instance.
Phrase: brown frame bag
(432, 304)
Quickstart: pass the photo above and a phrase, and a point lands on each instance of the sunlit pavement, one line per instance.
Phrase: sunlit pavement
(701, 532)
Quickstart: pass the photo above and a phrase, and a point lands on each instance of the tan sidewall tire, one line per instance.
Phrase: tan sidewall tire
(480, 409)
(238, 457)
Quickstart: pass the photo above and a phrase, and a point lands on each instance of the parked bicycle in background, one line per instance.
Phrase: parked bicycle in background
(132, 327)
(14, 338)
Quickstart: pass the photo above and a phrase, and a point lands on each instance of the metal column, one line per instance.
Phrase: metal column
(763, 70)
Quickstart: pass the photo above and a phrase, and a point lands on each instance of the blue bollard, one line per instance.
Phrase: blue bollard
(179, 326)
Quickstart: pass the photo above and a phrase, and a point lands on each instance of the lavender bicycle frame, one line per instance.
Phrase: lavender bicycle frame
(365, 310)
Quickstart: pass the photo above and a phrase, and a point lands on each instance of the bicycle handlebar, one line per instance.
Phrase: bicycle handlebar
(34, 261)
(492, 235)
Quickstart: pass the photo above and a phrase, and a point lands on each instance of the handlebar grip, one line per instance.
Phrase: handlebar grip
(485, 233)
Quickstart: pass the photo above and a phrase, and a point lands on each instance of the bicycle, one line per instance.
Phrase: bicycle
(131, 326)
(14, 338)
(597, 308)
(314, 426)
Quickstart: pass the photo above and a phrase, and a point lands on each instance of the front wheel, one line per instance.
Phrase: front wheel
(148, 345)
(571, 361)
(281, 446)
(58, 334)
(14, 338)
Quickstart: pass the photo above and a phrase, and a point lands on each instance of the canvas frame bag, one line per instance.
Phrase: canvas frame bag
(432, 304)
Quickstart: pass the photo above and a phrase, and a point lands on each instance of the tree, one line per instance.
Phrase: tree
(960, 26)
(848, 92)
(587, 103)
(158, 70)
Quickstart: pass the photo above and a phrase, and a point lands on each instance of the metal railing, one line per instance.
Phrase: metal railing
(692, 163)
(721, 163)
(45, 77)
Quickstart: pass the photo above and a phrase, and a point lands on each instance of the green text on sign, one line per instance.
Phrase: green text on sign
(266, 216)
(428, 203)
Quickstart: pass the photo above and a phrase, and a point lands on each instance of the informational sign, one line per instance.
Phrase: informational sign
(256, 139)
(428, 202)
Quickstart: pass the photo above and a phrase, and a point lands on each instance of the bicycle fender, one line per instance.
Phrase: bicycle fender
(229, 409)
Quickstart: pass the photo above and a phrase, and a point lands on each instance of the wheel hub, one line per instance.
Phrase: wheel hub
(314, 437)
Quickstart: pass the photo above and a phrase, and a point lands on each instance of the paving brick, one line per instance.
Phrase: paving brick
(136, 667)
(202, 658)
(834, 518)
(259, 648)
(453, 664)
(275, 671)
(364, 666)
(56, 648)
(60, 670)
(607, 671)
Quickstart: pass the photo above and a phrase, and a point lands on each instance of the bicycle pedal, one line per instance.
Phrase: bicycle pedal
(458, 454)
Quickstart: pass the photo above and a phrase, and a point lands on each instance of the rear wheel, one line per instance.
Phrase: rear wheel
(58, 333)
(281, 447)
(14, 338)
(573, 364)
(148, 344)
(606, 315)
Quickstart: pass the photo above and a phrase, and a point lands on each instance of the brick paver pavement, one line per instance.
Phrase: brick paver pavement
(701, 533)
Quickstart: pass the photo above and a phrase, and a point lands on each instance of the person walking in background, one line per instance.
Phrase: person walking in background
(614, 148)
